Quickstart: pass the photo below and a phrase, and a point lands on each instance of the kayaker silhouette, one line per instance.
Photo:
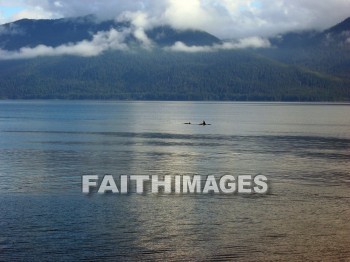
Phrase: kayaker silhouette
(201, 124)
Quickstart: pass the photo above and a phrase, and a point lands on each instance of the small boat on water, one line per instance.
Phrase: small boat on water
(201, 124)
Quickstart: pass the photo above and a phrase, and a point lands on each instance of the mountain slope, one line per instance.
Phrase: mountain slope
(31, 33)
(160, 75)
(299, 67)
(336, 36)
(327, 51)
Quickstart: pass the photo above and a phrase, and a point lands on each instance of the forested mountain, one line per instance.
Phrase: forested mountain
(55, 32)
(299, 66)
(326, 51)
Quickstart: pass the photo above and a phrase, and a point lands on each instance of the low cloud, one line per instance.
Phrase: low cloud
(117, 40)
(249, 42)
(11, 29)
(101, 42)
(181, 47)
(139, 23)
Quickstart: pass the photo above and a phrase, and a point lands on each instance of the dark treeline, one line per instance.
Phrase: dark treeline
(164, 75)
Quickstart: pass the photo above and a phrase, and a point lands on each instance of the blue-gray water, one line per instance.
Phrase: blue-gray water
(46, 146)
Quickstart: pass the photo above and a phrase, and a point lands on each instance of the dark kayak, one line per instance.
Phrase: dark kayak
(201, 124)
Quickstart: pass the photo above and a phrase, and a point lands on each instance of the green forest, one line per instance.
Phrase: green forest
(236, 75)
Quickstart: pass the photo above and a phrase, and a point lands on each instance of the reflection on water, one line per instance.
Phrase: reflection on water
(46, 146)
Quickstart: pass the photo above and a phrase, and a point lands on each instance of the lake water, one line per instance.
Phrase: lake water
(46, 147)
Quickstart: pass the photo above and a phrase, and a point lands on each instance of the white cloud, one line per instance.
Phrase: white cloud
(181, 47)
(249, 42)
(58, 4)
(102, 41)
(36, 12)
(139, 23)
(223, 18)
(2, 18)
(189, 14)
(12, 29)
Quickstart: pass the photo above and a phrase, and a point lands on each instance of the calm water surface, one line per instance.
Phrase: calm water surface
(46, 146)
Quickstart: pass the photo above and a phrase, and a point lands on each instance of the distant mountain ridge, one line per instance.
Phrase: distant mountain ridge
(325, 52)
(299, 66)
(55, 32)
(336, 35)
(340, 28)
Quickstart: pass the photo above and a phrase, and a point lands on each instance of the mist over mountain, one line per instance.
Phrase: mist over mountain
(85, 58)
(336, 36)
(56, 32)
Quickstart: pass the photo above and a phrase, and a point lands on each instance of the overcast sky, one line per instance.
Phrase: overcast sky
(223, 18)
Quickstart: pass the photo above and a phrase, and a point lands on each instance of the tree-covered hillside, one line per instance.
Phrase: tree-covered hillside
(163, 75)
(297, 66)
